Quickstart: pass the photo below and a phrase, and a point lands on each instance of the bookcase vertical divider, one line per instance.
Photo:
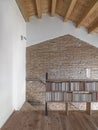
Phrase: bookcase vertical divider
(66, 105)
(72, 97)
(88, 108)
(69, 85)
(84, 83)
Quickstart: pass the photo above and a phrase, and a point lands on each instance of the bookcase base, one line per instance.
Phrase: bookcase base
(88, 108)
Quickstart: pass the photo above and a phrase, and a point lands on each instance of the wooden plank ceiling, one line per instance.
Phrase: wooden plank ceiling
(81, 12)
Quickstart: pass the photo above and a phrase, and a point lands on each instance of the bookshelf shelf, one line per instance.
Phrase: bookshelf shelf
(71, 91)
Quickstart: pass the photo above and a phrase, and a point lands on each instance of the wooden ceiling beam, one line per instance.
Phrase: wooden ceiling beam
(70, 9)
(21, 6)
(93, 27)
(39, 8)
(95, 6)
(53, 7)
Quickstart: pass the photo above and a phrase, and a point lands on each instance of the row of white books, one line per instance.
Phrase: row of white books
(81, 97)
(91, 86)
(64, 86)
(74, 86)
(68, 97)
(54, 96)
(95, 96)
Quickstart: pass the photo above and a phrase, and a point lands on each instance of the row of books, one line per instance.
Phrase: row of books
(95, 96)
(73, 86)
(83, 97)
(71, 97)
(64, 86)
(77, 86)
(91, 86)
(54, 96)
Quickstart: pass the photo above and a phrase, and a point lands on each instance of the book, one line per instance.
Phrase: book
(88, 86)
(65, 97)
(53, 96)
(83, 97)
(63, 86)
(53, 86)
(67, 86)
(96, 86)
(48, 86)
(77, 86)
(61, 96)
(76, 97)
(56, 86)
(74, 86)
(48, 96)
(60, 86)
(81, 86)
(96, 96)
(56, 96)
(89, 98)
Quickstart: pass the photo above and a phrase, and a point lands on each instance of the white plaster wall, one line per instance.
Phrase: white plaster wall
(12, 59)
(48, 27)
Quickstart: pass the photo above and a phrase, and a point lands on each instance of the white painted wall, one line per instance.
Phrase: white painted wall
(12, 59)
(39, 30)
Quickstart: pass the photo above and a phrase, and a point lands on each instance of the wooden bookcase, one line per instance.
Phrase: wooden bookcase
(71, 91)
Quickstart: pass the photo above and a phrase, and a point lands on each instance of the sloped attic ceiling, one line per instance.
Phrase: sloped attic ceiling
(81, 12)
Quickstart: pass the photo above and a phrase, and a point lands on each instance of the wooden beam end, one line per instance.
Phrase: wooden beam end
(78, 25)
(53, 7)
(65, 19)
(39, 8)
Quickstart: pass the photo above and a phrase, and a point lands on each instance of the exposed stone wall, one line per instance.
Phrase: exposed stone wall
(65, 57)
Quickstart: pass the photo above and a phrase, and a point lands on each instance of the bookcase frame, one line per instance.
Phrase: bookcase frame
(87, 91)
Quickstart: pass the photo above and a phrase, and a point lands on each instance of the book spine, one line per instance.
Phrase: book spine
(72, 86)
(60, 86)
(81, 86)
(56, 86)
(48, 86)
(97, 86)
(53, 96)
(48, 96)
(63, 86)
(76, 86)
(56, 96)
(53, 87)
(94, 86)
(96, 96)
(65, 97)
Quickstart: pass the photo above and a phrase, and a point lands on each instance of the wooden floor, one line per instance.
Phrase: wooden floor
(56, 120)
